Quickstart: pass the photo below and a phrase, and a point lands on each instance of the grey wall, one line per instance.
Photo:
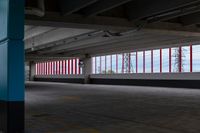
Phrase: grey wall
(183, 80)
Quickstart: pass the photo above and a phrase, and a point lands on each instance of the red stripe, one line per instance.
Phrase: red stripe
(180, 59)
(105, 64)
(75, 66)
(36, 69)
(100, 65)
(129, 63)
(60, 67)
(160, 60)
(111, 62)
(64, 67)
(57, 68)
(122, 63)
(95, 60)
(170, 60)
(151, 61)
(144, 63)
(136, 62)
(51, 68)
(46, 68)
(69, 67)
(79, 69)
(40, 68)
(191, 58)
(116, 63)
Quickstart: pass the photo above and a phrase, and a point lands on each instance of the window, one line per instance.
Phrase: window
(148, 61)
(186, 59)
(165, 60)
(103, 64)
(196, 58)
(140, 62)
(133, 63)
(93, 65)
(108, 64)
(120, 63)
(156, 61)
(175, 59)
(114, 60)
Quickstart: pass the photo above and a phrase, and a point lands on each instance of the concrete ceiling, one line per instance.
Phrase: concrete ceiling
(94, 27)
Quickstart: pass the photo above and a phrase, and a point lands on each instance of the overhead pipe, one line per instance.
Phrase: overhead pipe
(37, 11)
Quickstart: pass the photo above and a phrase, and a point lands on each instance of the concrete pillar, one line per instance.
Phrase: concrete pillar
(11, 66)
(32, 70)
(87, 68)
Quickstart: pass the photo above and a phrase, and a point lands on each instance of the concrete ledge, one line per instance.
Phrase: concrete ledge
(61, 78)
(147, 82)
(178, 80)
(149, 76)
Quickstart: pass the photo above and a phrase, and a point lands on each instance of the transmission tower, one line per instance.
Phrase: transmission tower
(179, 56)
(128, 68)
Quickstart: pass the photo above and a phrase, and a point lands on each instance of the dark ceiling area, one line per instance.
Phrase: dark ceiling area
(175, 11)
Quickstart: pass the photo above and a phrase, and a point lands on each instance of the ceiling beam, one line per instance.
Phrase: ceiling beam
(145, 44)
(70, 6)
(38, 30)
(145, 8)
(102, 6)
(176, 13)
(55, 19)
(53, 37)
(190, 19)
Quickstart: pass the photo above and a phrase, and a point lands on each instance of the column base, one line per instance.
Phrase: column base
(11, 117)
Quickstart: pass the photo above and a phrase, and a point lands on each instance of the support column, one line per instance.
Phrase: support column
(87, 69)
(32, 70)
(11, 66)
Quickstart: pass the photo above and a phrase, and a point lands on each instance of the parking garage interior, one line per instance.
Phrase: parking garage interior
(99, 66)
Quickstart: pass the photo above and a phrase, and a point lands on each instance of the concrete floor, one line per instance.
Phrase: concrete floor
(71, 108)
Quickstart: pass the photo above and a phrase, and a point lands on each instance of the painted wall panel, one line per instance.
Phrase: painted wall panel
(12, 71)
(11, 27)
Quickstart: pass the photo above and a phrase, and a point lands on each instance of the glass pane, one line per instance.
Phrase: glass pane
(98, 67)
(36, 69)
(67, 66)
(113, 63)
(103, 67)
(133, 62)
(196, 58)
(165, 60)
(175, 59)
(186, 59)
(108, 64)
(156, 61)
(77, 66)
(93, 65)
(61, 67)
(119, 63)
(140, 62)
(148, 61)
(126, 62)
(55, 67)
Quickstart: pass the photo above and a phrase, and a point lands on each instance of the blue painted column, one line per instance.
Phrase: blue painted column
(11, 66)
